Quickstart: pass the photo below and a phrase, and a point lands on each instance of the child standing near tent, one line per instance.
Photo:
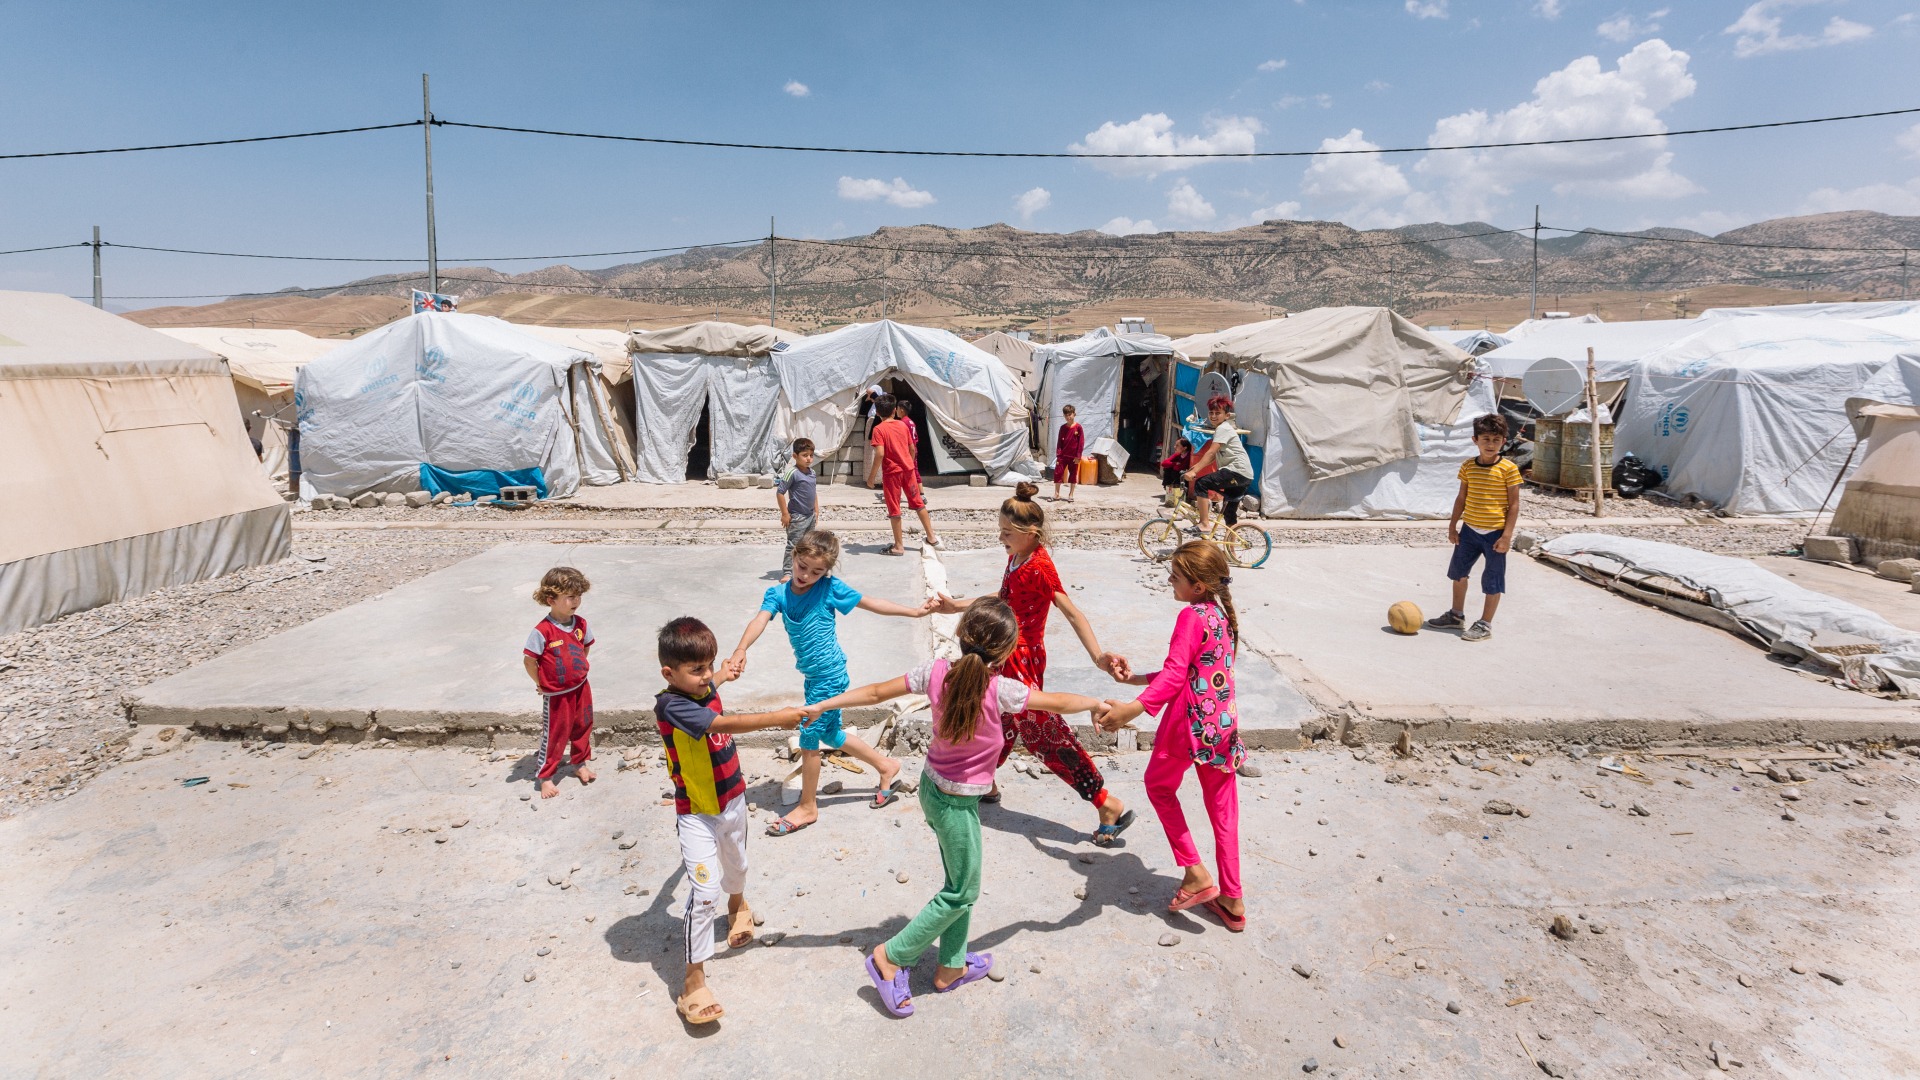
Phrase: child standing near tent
(905, 416)
(1485, 513)
(1173, 465)
(1199, 729)
(795, 496)
(555, 656)
(1032, 587)
(971, 704)
(1067, 448)
(710, 797)
(809, 603)
(896, 459)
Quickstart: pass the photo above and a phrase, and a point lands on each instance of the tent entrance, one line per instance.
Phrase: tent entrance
(923, 425)
(1140, 417)
(700, 446)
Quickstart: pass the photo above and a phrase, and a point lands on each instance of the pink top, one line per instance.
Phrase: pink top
(1195, 687)
(967, 768)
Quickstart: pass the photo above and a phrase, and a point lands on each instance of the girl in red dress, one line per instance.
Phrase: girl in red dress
(1030, 587)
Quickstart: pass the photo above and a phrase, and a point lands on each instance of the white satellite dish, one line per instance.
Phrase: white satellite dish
(1553, 386)
(1212, 384)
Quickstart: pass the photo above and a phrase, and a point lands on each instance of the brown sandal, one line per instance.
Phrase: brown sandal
(692, 1006)
(740, 928)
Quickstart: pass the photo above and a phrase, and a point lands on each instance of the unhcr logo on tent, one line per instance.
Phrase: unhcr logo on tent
(944, 366)
(375, 375)
(1692, 371)
(301, 413)
(432, 366)
(523, 407)
(1674, 419)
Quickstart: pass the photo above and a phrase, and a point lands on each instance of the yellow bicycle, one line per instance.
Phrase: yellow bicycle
(1245, 544)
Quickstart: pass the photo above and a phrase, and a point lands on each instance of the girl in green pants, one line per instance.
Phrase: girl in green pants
(970, 701)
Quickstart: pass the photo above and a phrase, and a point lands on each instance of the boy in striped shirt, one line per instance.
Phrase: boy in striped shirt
(1484, 516)
(709, 795)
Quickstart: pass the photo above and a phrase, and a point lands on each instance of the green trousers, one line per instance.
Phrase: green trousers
(955, 821)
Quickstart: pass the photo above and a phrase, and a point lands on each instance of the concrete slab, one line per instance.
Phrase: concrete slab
(439, 657)
(1127, 600)
(1568, 658)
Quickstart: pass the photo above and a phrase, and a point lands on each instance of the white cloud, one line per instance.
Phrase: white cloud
(1909, 140)
(1324, 101)
(1187, 204)
(1280, 211)
(1886, 198)
(1625, 26)
(796, 88)
(1427, 9)
(1549, 9)
(1153, 134)
(1272, 65)
(899, 192)
(1761, 27)
(1126, 226)
(1364, 179)
(1032, 201)
(1379, 86)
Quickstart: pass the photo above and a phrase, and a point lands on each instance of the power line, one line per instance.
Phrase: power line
(1177, 155)
(209, 142)
(353, 259)
(1259, 252)
(49, 247)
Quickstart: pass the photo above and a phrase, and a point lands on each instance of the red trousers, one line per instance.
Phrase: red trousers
(1047, 734)
(569, 718)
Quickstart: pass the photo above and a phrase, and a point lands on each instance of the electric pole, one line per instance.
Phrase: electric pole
(1533, 301)
(773, 279)
(99, 301)
(433, 244)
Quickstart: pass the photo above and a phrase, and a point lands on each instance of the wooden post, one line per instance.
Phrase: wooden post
(1599, 468)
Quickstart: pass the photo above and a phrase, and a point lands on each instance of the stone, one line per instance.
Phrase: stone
(542, 951)
(759, 919)
(1576, 752)
(1249, 769)
(1828, 549)
(1791, 794)
(1035, 968)
(1086, 857)
(1305, 971)
(1563, 928)
(555, 879)
(366, 501)
(321, 502)
(1419, 965)
(1169, 940)
(1898, 569)
(1498, 806)
(1080, 892)
(1797, 969)
(305, 754)
(1453, 1007)
(997, 973)
(976, 480)
(1636, 808)
(832, 787)
(1313, 851)
(1340, 1041)
(528, 977)
(765, 481)
(1833, 977)
(1322, 821)
(521, 884)
(590, 918)
(773, 937)
(1525, 541)
(1310, 1065)
(454, 964)
(1597, 927)
(901, 877)
(1746, 980)
(1788, 815)
(393, 498)
(1551, 1068)
(418, 499)
(732, 482)
(627, 845)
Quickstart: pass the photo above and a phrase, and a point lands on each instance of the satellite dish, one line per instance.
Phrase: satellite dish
(1553, 386)
(1212, 384)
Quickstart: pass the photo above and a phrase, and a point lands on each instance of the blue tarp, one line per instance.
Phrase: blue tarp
(480, 481)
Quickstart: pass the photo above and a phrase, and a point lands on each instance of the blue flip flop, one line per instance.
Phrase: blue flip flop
(1105, 835)
(978, 964)
(892, 991)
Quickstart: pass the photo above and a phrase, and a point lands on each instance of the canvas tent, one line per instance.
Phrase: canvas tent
(1017, 354)
(1617, 346)
(1117, 384)
(1871, 309)
(127, 463)
(445, 401)
(1359, 412)
(970, 397)
(1881, 504)
(1749, 414)
(615, 400)
(263, 363)
(718, 372)
(1528, 327)
(1471, 342)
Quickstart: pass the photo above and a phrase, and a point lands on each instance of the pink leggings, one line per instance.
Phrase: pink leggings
(1218, 787)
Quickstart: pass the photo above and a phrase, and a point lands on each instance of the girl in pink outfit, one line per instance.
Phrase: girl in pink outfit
(972, 704)
(1199, 728)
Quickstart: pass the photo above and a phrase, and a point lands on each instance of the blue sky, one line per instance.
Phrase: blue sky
(1280, 74)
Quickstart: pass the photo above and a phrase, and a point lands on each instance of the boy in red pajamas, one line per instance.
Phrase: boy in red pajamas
(556, 661)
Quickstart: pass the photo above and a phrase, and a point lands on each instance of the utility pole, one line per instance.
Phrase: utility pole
(433, 243)
(773, 278)
(1533, 301)
(1903, 274)
(99, 301)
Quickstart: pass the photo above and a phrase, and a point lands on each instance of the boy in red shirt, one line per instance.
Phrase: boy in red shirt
(896, 459)
(556, 661)
(1067, 448)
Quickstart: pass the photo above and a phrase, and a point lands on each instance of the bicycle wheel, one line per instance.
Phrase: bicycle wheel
(1248, 545)
(1158, 538)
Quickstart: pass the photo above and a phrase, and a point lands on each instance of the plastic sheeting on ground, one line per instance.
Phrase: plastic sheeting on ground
(1748, 414)
(455, 391)
(1740, 597)
(1086, 373)
(967, 391)
(720, 368)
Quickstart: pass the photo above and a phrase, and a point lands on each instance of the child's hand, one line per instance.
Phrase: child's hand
(1116, 666)
(735, 666)
(1501, 545)
(793, 717)
(1453, 532)
(946, 605)
(786, 521)
(810, 713)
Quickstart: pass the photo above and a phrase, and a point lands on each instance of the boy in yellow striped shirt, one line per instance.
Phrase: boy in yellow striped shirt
(1484, 516)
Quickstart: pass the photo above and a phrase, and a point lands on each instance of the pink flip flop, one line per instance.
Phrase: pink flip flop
(1182, 900)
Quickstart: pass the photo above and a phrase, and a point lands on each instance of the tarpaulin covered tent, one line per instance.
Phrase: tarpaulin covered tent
(1617, 346)
(1471, 342)
(1749, 414)
(718, 369)
(970, 396)
(263, 363)
(1529, 327)
(616, 371)
(1365, 414)
(126, 461)
(1017, 354)
(1117, 384)
(1868, 309)
(1881, 504)
(449, 402)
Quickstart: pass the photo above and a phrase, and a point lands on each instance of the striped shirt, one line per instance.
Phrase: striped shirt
(1486, 487)
(705, 765)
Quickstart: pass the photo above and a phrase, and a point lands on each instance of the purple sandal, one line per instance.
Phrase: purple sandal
(978, 964)
(893, 992)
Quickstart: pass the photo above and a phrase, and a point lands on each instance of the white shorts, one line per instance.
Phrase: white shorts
(713, 848)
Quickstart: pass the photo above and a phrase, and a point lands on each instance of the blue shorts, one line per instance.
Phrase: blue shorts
(1474, 544)
(825, 732)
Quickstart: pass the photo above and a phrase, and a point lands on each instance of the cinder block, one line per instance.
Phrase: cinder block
(418, 499)
(763, 481)
(976, 480)
(519, 493)
(1829, 549)
(732, 482)
(1899, 569)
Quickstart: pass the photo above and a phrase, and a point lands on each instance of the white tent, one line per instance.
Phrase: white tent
(1871, 309)
(1471, 342)
(447, 401)
(1749, 414)
(970, 396)
(1527, 327)
(263, 363)
(1089, 373)
(126, 461)
(1017, 354)
(1617, 346)
(616, 369)
(1881, 505)
(1359, 413)
(721, 369)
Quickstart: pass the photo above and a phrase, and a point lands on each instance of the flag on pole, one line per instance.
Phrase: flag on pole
(429, 301)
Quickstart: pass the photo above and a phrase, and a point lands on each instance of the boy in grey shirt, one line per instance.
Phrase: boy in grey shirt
(795, 495)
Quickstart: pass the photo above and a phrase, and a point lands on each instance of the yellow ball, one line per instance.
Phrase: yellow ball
(1405, 617)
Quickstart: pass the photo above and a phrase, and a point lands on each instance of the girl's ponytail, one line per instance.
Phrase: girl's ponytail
(987, 634)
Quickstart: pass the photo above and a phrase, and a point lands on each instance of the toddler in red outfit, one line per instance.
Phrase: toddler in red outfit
(556, 661)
